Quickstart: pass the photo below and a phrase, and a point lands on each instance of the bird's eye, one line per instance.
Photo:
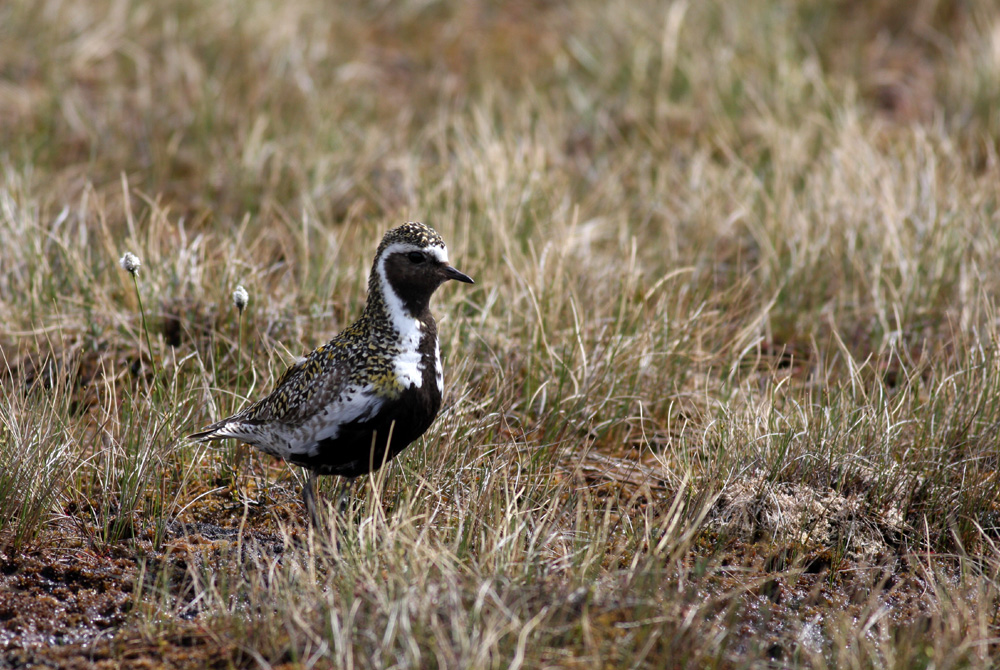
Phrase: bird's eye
(416, 257)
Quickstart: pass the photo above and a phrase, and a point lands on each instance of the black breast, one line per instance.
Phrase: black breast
(363, 446)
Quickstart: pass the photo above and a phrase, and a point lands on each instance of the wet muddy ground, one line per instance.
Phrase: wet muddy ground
(72, 604)
(70, 608)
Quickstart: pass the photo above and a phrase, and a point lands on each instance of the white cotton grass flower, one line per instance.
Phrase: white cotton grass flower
(130, 263)
(241, 298)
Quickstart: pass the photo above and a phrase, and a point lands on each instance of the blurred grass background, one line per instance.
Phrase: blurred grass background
(726, 392)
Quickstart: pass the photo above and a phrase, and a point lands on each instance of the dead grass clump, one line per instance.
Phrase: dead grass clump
(752, 509)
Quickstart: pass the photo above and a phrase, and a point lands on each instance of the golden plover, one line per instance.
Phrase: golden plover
(354, 403)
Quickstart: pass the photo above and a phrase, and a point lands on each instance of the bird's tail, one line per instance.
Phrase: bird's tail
(232, 427)
(210, 433)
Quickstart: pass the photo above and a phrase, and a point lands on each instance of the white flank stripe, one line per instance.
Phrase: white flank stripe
(438, 370)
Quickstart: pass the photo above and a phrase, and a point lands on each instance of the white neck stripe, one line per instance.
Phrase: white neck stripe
(410, 330)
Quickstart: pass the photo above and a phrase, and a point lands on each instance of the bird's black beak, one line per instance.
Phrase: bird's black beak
(452, 273)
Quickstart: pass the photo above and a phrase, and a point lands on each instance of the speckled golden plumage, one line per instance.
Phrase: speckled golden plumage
(333, 411)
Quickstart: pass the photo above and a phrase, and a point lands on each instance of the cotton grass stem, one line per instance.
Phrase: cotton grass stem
(131, 264)
(240, 299)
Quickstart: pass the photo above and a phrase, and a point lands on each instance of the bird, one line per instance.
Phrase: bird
(354, 403)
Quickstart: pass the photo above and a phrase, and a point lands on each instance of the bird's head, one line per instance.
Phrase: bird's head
(410, 264)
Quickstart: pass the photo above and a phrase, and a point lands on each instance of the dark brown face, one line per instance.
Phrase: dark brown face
(415, 275)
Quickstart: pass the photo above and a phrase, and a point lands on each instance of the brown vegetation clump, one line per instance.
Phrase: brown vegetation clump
(808, 518)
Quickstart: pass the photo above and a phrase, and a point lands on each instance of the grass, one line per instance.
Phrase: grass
(726, 392)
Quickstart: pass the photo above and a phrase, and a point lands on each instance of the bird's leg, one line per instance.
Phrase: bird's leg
(343, 493)
(309, 498)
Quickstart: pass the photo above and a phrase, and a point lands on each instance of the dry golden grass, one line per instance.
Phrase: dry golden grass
(726, 392)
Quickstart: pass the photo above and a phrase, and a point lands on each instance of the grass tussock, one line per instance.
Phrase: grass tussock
(726, 392)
